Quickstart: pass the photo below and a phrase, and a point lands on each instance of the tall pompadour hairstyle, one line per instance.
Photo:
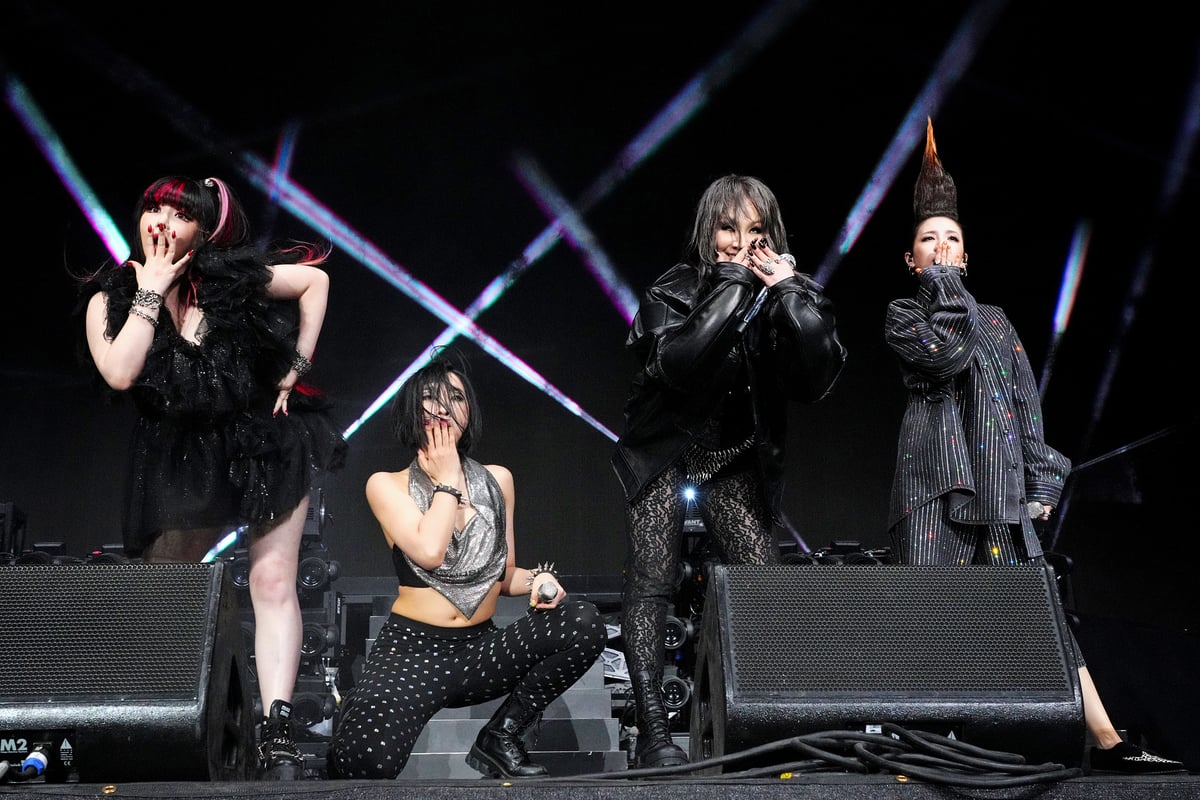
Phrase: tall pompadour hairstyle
(935, 194)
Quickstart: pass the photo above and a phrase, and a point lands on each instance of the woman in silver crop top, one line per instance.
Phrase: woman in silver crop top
(449, 522)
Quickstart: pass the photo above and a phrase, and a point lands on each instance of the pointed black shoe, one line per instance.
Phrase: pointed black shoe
(278, 757)
(499, 751)
(1129, 759)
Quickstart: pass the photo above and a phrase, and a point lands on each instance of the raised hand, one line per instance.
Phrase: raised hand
(769, 265)
(439, 457)
(163, 264)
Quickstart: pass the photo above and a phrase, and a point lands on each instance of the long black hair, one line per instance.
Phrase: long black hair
(210, 202)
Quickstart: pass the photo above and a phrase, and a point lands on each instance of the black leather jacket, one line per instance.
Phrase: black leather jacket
(697, 358)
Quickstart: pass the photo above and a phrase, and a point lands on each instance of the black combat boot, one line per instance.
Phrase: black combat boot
(499, 750)
(278, 757)
(654, 746)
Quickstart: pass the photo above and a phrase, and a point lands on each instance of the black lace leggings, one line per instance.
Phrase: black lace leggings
(737, 520)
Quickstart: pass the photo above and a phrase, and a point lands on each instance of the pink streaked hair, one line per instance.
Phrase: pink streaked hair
(220, 229)
(306, 254)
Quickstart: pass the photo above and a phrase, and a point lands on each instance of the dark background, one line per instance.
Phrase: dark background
(409, 118)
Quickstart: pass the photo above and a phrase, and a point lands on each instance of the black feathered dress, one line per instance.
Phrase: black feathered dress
(206, 451)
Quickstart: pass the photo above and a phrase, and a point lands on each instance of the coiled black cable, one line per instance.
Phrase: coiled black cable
(907, 754)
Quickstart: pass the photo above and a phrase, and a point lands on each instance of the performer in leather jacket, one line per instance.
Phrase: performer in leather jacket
(722, 341)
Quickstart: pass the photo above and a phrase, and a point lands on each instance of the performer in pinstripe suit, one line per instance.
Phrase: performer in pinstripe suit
(972, 467)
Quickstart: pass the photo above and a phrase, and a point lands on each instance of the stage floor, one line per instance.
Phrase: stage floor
(832, 786)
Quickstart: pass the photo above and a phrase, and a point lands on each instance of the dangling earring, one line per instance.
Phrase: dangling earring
(963, 268)
(912, 266)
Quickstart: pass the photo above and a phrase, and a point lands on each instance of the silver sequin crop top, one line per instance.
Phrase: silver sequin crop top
(476, 556)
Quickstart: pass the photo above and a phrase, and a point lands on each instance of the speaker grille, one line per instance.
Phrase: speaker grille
(893, 631)
(120, 631)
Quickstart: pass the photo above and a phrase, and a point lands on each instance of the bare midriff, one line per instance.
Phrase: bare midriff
(429, 606)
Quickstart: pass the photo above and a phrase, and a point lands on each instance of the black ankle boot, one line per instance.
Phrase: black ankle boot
(278, 757)
(654, 746)
(499, 751)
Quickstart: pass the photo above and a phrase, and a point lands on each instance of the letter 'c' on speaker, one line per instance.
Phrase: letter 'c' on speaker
(126, 672)
(980, 653)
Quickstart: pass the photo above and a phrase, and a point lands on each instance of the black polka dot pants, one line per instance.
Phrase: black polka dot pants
(414, 670)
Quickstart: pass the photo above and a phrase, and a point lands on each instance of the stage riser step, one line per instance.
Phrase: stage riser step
(457, 735)
(571, 704)
(423, 766)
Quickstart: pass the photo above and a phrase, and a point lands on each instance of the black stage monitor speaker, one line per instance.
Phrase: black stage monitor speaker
(979, 653)
(124, 672)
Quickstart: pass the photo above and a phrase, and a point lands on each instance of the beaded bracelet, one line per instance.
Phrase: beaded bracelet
(147, 298)
(441, 487)
(301, 364)
(538, 570)
(137, 312)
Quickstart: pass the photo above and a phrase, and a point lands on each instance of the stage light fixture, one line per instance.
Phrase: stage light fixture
(239, 570)
(677, 631)
(676, 692)
(316, 572)
(51, 553)
(107, 554)
(315, 518)
(312, 701)
(316, 639)
(310, 709)
(693, 524)
(684, 571)
(840, 552)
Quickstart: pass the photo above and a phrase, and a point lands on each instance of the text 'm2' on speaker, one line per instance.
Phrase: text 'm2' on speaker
(125, 672)
(979, 653)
